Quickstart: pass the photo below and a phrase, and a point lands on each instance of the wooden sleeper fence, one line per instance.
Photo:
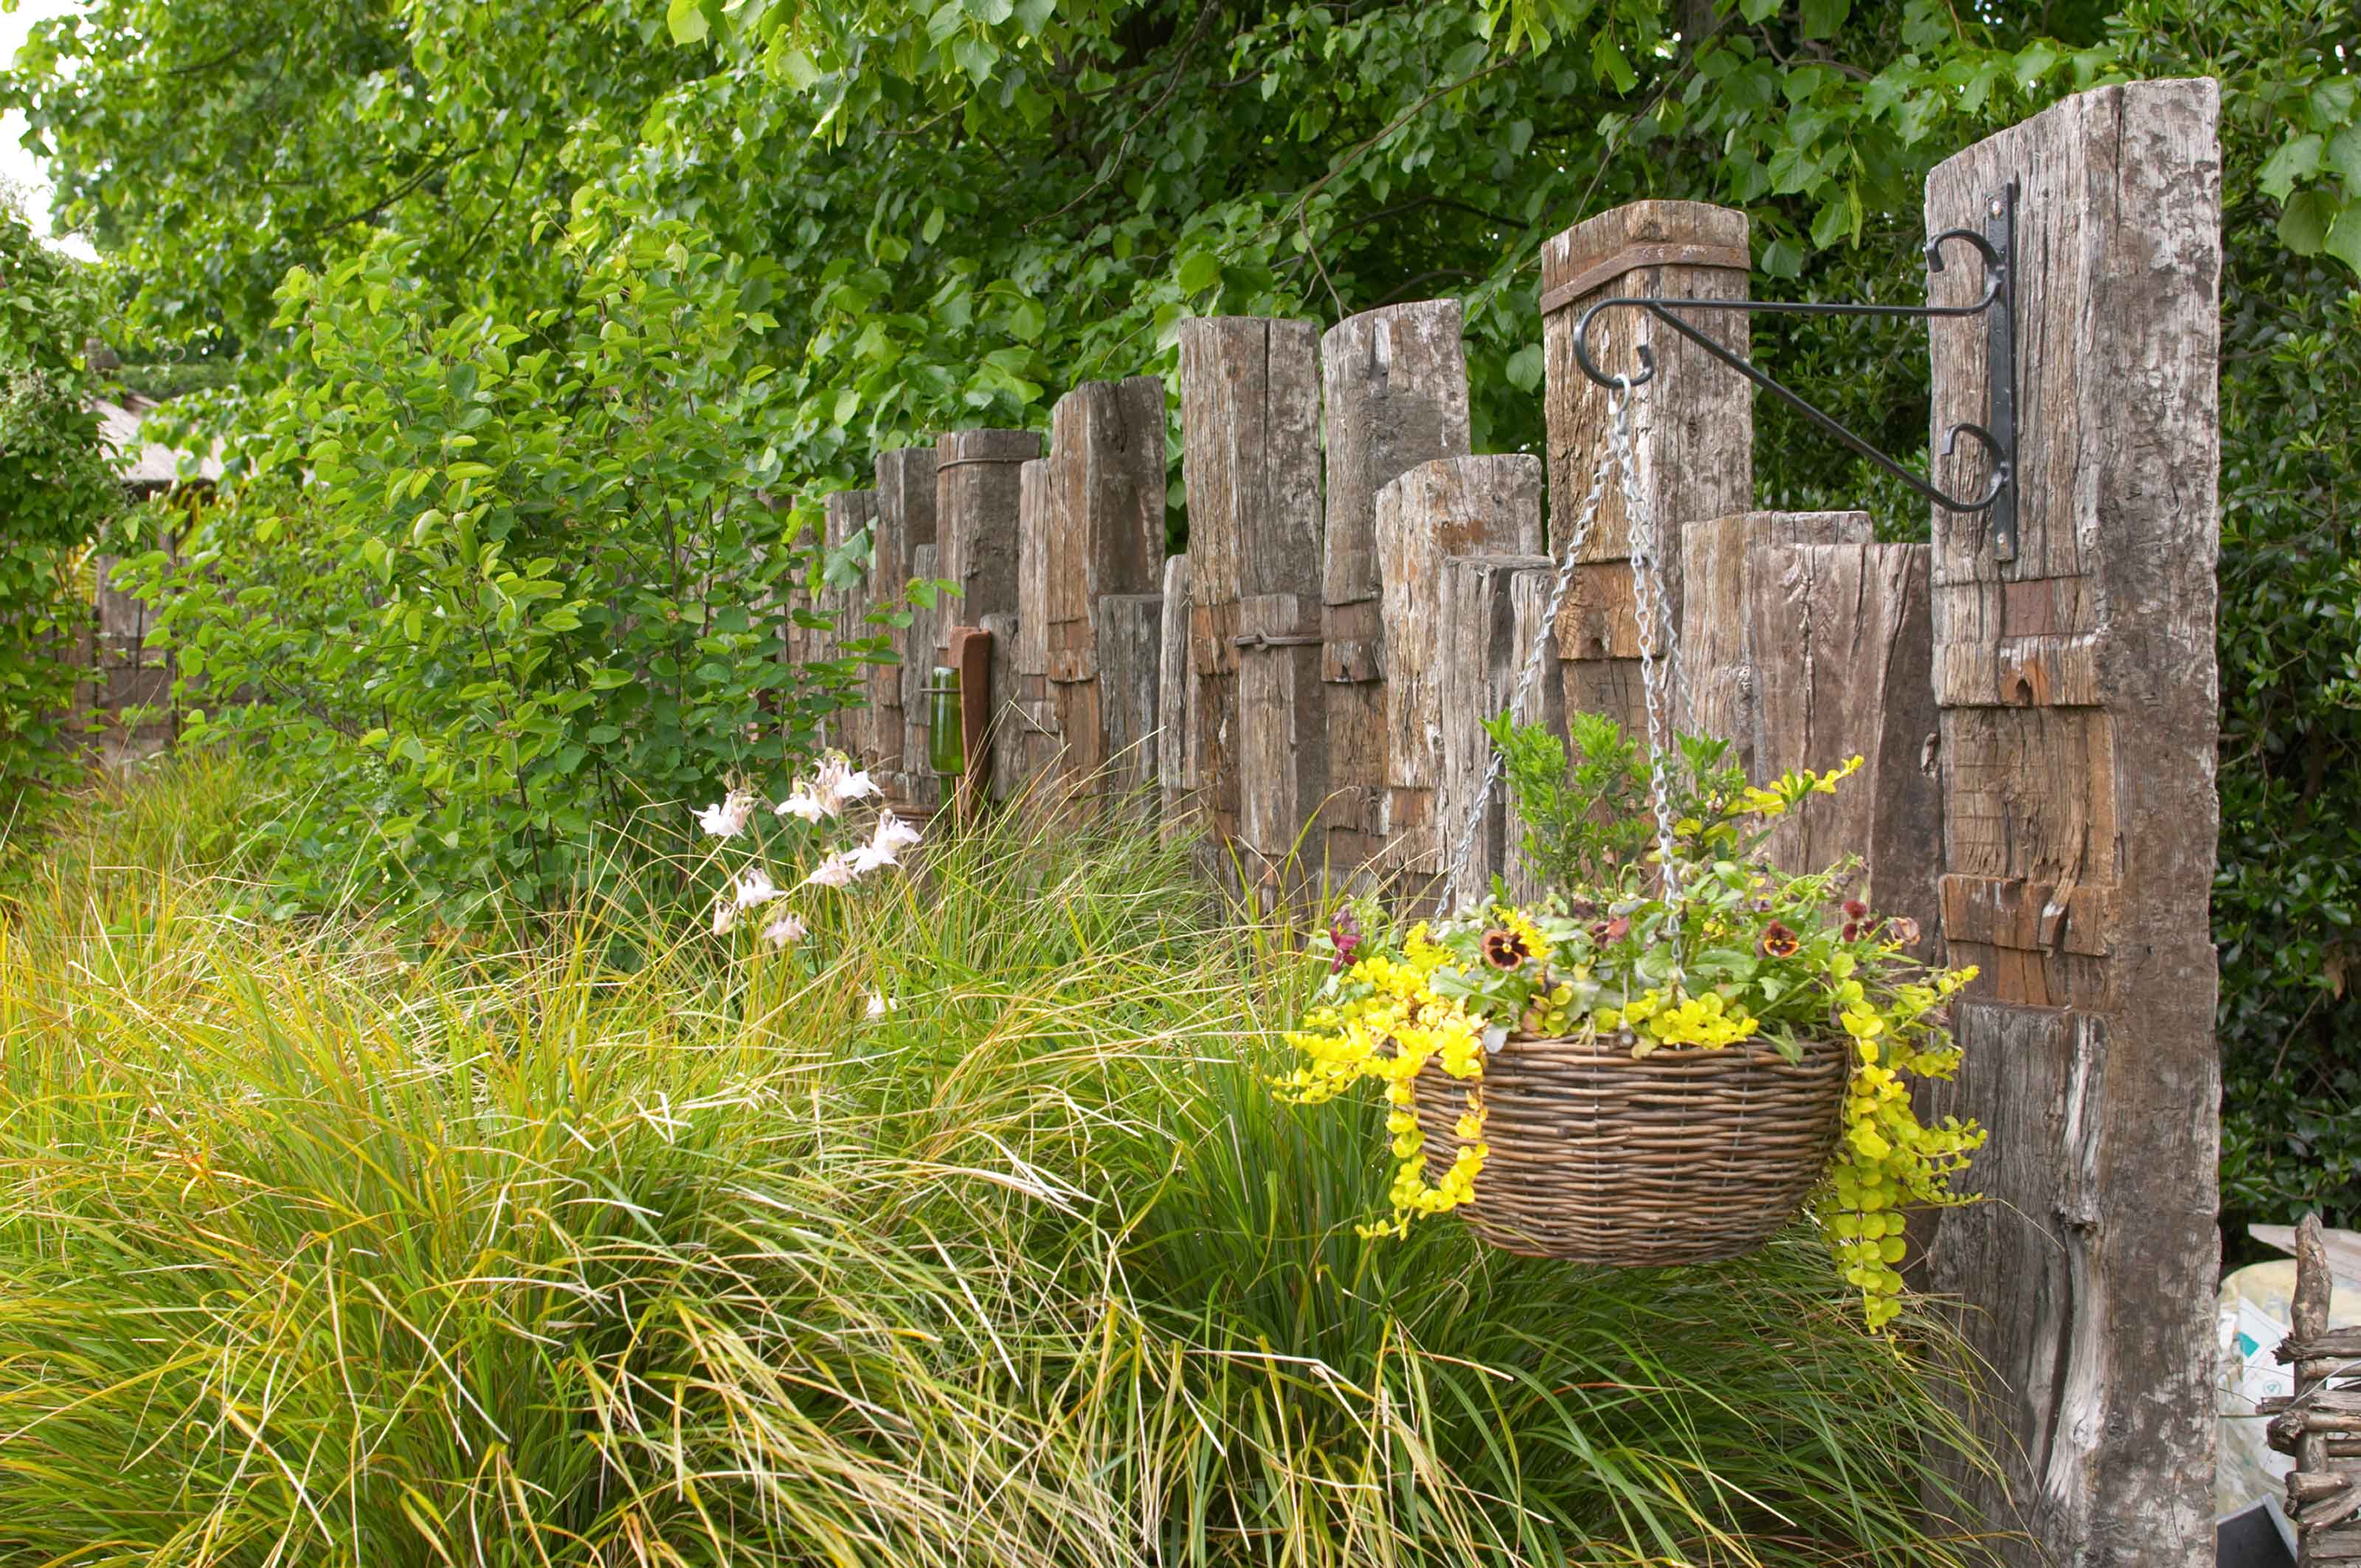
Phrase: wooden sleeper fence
(1303, 694)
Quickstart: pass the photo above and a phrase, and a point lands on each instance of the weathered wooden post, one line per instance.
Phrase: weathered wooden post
(1250, 408)
(1102, 594)
(905, 526)
(1842, 633)
(1474, 676)
(1488, 506)
(978, 482)
(1178, 769)
(920, 790)
(1025, 742)
(851, 513)
(1396, 386)
(1804, 644)
(1692, 426)
(2077, 693)
(1724, 673)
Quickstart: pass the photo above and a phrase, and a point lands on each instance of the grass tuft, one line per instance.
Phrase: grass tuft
(623, 1246)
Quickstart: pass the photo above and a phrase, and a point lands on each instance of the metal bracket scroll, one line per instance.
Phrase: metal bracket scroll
(1997, 247)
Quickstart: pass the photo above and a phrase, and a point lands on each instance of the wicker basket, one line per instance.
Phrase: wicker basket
(1685, 1155)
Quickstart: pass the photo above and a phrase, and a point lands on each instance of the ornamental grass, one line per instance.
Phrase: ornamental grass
(333, 1243)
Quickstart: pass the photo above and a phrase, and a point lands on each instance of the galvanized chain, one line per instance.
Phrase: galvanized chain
(1618, 448)
(1654, 614)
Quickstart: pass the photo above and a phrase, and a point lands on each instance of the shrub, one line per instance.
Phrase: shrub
(482, 586)
(320, 1253)
(57, 489)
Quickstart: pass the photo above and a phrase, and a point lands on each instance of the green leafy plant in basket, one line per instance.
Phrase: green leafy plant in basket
(1728, 951)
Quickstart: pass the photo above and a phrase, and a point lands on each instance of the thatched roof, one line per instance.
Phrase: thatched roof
(145, 465)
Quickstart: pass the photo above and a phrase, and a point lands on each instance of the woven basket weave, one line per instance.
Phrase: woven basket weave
(1685, 1155)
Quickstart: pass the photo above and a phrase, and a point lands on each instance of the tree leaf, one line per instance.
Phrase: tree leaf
(1525, 367)
(2303, 223)
(687, 21)
(2294, 160)
(1823, 17)
(1200, 270)
(2343, 240)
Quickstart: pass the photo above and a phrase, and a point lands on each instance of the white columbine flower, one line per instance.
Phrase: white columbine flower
(725, 917)
(837, 871)
(893, 836)
(784, 932)
(729, 819)
(880, 1004)
(807, 802)
(839, 782)
(755, 889)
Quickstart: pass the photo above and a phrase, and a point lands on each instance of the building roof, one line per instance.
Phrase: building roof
(146, 465)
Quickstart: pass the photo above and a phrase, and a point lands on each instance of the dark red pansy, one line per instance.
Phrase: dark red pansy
(1503, 948)
(1855, 909)
(1778, 942)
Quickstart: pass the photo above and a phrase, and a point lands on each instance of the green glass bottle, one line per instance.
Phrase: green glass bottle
(946, 735)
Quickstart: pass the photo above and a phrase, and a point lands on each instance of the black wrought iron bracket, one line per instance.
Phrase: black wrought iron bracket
(1997, 435)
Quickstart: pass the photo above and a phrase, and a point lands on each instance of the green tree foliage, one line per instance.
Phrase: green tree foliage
(57, 489)
(500, 584)
(974, 204)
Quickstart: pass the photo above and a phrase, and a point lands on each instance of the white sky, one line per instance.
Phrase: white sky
(18, 166)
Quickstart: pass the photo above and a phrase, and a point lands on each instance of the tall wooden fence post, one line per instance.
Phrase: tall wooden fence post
(905, 524)
(1725, 675)
(1489, 506)
(1692, 426)
(1178, 769)
(1476, 675)
(1804, 644)
(849, 514)
(1025, 740)
(978, 479)
(1395, 381)
(1250, 408)
(1105, 573)
(2078, 692)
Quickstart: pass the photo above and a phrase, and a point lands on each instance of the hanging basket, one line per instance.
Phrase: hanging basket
(1685, 1155)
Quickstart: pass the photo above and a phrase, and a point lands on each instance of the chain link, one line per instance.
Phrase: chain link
(1652, 612)
(1618, 399)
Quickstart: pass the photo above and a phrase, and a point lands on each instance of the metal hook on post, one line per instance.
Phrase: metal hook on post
(1996, 247)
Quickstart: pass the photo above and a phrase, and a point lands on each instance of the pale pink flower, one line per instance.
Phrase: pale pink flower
(880, 1004)
(784, 932)
(729, 819)
(755, 889)
(836, 871)
(725, 917)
